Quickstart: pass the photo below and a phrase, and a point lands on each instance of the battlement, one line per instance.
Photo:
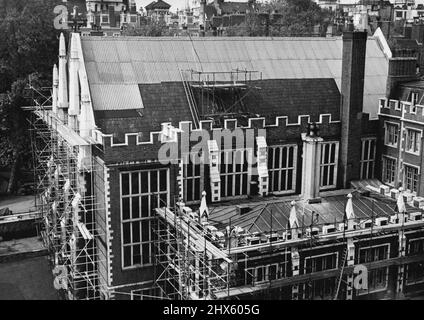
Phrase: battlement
(404, 110)
(281, 123)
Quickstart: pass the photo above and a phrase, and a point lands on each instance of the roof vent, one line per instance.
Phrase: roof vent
(315, 200)
(243, 209)
(364, 192)
(415, 216)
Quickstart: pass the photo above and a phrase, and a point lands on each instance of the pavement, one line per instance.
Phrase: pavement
(25, 273)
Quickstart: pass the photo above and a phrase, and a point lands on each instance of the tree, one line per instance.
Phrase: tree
(14, 138)
(28, 40)
(28, 44)
(151, 28)
(292, 18)
(297, 17)
(251, 27)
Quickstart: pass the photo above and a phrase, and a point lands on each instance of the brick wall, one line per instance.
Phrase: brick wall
(140, 274)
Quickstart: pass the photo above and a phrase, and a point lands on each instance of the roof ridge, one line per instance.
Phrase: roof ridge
(138, 38)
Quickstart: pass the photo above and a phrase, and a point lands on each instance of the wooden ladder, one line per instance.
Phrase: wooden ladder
(191, 102)
(340, 277)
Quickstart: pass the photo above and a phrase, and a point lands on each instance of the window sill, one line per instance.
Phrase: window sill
(137, 267)
(284, 192)
(371, 291)
(390, 184)
(333, 186)
(192, 202)
(414, 282)
(415, 153)
(233, 197)
(391, 145)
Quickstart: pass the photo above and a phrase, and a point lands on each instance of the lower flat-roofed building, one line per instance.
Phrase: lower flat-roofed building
(292, 249)
(167, 169)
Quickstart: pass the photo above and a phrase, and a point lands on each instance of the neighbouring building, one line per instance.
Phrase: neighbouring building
(102, 17)
(232, 167)
(158, 10)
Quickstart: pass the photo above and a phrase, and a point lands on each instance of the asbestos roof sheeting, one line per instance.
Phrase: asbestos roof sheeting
(155, 60)
(116, 97)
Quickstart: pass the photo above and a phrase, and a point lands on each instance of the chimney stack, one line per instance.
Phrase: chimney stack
(407, 30)
(202, 14)
(349, 26)
(63, 81)
(352, 95)
(74, 97)
(311, 163)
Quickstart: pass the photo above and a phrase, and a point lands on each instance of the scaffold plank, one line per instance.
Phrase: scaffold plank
(326, 237)
(69, 135)
(199, 240)
(248, 289)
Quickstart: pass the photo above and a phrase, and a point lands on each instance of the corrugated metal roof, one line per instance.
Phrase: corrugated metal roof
(330, 210)
(115, 96)
(134, 60)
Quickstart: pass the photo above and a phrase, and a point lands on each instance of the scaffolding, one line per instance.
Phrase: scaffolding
(217, 95)
(189, 265)
(193, 261)
(69, 180)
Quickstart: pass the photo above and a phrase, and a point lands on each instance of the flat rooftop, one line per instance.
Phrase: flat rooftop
(25, 273)
(273, 214)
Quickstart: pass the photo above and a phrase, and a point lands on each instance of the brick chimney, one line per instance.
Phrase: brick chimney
(352, 95)
(401, 69)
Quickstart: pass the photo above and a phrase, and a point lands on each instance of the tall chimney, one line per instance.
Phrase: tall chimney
(74, 99)
(55, 89)
(352, 95)
(407, 30)
(63, 85)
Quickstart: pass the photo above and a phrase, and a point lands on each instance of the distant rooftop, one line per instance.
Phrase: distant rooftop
(158, 5)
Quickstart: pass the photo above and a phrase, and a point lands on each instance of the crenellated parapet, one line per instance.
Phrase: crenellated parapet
(403, 110)
(281, 123)
(147, 145)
